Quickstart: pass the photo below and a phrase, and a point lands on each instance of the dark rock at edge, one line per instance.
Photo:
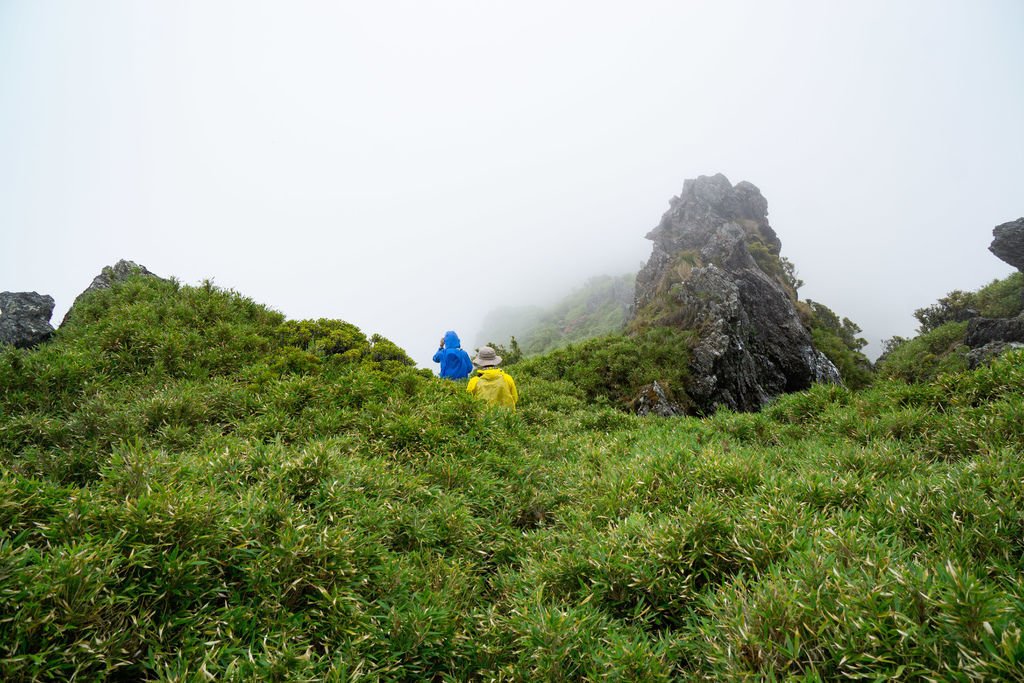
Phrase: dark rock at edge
(1008, 243)
(984, 331)
(25, 318)
(121, 270)
(985, 354)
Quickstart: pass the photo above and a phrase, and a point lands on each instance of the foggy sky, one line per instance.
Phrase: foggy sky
(407, 166)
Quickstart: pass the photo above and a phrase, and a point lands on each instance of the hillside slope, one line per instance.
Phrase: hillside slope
(598, 307)
(193, 488)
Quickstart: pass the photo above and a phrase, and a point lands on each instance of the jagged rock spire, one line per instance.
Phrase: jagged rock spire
(715, 269)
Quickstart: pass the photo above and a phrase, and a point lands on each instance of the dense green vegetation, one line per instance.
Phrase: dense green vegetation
(192, 488)
(998, 299)
(939, 347)
(610, 370)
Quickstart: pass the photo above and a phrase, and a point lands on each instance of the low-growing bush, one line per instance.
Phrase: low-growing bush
(999, 299)
(937, 351)
(614, 368)
(939, 347)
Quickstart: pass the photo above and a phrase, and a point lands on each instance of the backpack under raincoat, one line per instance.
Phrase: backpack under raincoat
(495, 387)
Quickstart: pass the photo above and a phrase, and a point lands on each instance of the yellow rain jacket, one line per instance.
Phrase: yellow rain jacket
(495, 387)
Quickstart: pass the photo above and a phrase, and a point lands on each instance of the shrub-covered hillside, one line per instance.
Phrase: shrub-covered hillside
(192, 488)
(599, 307)
(612, 369)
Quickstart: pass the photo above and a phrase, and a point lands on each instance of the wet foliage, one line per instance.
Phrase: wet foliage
(193, 488)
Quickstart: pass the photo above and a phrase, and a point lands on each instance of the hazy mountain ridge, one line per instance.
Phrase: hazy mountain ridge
(599, 307)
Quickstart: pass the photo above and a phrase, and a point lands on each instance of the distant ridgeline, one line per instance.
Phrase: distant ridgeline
(601, 306)
(712, 320)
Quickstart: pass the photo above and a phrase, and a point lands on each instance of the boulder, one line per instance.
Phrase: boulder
(989, 337)
(1008, 243)
(715, 268)
(985, 354)
(984, 331)
(652, 400)
(108, 276)
(25, 318)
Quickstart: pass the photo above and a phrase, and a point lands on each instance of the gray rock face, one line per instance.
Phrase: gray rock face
(985, 354)
(984, 331)
(704, 205)
(652, 400)
(703, 275)
(1008, 243)
(989, 337)
(25, 318)
(108, 276)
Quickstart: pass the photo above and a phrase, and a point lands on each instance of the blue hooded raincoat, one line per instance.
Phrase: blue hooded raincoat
(455, 363)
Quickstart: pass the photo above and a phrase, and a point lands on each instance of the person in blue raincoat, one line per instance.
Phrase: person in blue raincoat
(455, 362)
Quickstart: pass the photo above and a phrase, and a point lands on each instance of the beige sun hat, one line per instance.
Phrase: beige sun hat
(485, 357)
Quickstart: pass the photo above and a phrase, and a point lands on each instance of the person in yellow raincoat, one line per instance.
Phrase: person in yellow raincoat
(491, 384)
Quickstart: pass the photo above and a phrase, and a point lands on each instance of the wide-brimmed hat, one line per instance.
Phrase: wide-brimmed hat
(485, 357)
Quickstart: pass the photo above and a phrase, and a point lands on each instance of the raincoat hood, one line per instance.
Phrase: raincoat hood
(451, 340)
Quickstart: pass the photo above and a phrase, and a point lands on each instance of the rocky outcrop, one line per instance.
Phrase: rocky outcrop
(715, 268)
(652, 400)
(983, 331)
(985, 354)
(108, 276)
(25, 318)
(991, 337)
(704, 205)
(1008, 243)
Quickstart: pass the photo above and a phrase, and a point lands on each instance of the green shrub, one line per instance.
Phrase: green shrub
(614, 368)
(1002, 298)
(384, 351)
(999, 299)
(324, 337)
(807, 406)
(939, 346)
(928, 355)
